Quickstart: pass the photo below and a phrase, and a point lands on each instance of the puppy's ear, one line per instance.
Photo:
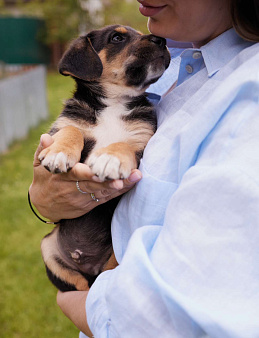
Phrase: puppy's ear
(81, 61)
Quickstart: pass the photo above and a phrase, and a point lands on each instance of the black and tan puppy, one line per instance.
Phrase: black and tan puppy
(106, 125)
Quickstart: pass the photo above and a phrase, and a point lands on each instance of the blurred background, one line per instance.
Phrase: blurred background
(33, 36)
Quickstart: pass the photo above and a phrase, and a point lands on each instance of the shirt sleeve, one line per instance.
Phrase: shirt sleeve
(197, 275)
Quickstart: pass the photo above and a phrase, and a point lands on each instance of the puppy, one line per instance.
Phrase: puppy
(106, 124)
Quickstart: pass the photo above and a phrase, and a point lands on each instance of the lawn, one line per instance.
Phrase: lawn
(27, 299)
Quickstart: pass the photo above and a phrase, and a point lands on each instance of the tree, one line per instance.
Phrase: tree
(124, 12)
(62, 18)
(65, 19)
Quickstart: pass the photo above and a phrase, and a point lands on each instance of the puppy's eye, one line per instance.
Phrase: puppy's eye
(117, 38)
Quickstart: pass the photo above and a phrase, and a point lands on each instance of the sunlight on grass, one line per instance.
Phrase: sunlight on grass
(27, 299)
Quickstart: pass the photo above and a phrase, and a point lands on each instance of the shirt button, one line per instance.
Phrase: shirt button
(189, 69)
(196, 55)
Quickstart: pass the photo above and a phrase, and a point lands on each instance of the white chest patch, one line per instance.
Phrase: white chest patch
(111, 128)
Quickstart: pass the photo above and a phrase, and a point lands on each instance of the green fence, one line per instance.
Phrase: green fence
(20, 41)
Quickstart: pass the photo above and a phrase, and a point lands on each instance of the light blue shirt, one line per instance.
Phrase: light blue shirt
(187, 235)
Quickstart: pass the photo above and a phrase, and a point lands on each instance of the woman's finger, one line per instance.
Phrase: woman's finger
(80, 172)
(45, 141)
(127, 185)
(107, 188)
(134, 177)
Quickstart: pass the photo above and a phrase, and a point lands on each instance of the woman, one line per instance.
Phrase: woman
(186, 236)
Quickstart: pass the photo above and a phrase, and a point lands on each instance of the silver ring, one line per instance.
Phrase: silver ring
(93, 197)
(78, 188)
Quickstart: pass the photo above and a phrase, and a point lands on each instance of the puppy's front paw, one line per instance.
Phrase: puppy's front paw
(107, 166)
(57, 161)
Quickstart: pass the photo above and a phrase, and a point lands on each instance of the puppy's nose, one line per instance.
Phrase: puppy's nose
(158, 41)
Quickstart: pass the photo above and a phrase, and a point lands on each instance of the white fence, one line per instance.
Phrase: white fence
(23, 104)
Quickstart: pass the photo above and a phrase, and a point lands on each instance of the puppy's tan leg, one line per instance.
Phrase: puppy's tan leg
(113, 162)
(65, 152)
(59, 271)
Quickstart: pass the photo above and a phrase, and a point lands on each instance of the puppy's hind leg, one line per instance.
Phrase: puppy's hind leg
(60, 274)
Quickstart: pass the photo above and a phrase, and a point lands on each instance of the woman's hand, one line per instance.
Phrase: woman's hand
(56, 196)
(73, 306)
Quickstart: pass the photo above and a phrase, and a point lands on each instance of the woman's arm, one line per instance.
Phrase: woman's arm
(56, 196)
(73, 306)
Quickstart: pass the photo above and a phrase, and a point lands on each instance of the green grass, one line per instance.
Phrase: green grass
(27, 299)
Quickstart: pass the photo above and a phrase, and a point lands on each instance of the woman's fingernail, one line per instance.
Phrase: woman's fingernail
(117, 184)
(135, 177)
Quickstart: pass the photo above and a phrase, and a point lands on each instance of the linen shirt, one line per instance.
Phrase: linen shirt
(187, 235)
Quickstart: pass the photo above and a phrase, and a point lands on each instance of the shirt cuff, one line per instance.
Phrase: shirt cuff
(96, 308)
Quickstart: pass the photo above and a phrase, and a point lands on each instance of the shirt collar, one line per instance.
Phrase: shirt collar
(219, 51)
(176, 47)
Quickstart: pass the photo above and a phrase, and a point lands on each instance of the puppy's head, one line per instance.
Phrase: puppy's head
(123, 60)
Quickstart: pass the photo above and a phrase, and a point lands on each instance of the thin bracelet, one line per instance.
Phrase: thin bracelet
(41, 219)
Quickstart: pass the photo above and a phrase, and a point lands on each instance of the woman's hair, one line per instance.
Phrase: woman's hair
(245, 18)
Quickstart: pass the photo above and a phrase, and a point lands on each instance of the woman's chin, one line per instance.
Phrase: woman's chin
(155, 27)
